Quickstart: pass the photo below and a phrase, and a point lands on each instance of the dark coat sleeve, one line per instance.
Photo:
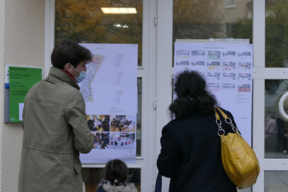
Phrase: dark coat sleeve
(100, 190)
(169, 157)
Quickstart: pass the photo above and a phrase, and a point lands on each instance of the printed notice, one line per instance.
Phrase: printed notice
(110, 95)
(228, 66)
(182, 63)
(21, 79)
(227, 69)
(229, 76)
(214, 65)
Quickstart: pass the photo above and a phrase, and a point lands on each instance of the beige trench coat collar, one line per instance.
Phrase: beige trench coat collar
(62, 76)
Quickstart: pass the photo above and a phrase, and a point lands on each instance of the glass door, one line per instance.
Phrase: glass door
(270, 77)
(264, 24)
(84, 21)
(155, 28)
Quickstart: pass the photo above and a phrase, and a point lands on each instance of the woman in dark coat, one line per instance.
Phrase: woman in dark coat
(191, 149)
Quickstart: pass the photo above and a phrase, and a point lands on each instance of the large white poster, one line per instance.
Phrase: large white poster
(110, 94)
(227, 69)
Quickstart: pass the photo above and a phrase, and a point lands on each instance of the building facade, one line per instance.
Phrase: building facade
(30, 28)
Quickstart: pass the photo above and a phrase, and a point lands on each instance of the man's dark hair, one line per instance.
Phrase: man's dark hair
(69, 52)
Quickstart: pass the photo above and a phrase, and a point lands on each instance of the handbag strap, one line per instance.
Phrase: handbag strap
(158, 185)
(227, 120)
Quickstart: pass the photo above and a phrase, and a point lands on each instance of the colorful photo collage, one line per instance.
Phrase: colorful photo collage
(113, 131)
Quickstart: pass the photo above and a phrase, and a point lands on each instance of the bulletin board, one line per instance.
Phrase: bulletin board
(227, 66)
(18, 81)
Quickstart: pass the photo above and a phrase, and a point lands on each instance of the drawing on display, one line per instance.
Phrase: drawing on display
(101, 140)
(228, 86)
(182, 54)
(244, 88)
(214, 54)
(116, 97)
(185, 63)
(213, 75)
(123, 123)
(98, 122)
(198, 63)
(228, 66)
(244, 55)
(214, 87)
(117, 78)
(214, 65)
(197, 53)
(122, 140)
(229, 55)
(244, 77)
(117, 60)
(244, 65)
(92, 69)
(229, 77)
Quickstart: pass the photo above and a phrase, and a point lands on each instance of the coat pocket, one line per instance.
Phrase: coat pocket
(77, 168)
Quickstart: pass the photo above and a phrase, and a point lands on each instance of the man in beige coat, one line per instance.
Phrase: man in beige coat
(55, 126)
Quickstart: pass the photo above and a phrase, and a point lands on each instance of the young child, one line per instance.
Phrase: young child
(115, 178)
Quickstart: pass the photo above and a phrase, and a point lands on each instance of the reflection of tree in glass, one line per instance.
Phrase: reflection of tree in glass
(271, 86)
(83, 21)
(242, 27)
(276, 32)
(194, 19)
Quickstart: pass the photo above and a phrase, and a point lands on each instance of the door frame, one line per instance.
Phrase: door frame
(260, 73)
(147, 72)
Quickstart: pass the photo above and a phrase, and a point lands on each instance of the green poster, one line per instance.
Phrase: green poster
(21, 79)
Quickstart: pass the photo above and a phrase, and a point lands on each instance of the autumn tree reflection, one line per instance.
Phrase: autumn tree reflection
(84, 22)
(194, 19)
(276, 32)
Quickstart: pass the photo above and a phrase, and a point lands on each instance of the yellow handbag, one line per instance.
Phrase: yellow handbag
(238, 158)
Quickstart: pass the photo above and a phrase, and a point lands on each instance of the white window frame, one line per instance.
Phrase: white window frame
(260, 75)
(230, 5)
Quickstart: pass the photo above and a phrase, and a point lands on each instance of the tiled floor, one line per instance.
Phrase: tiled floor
(276, 181)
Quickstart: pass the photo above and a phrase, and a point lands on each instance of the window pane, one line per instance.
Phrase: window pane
(275, 181)
(92, 177)
(83, 21)
(276, 43)
(194, 19)
(275, 125)
(139, 115)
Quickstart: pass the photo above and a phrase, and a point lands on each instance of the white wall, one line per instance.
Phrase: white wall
(21, 43)
(1, 79)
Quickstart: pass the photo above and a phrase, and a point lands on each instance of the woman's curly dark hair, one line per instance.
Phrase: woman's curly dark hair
(192, 95)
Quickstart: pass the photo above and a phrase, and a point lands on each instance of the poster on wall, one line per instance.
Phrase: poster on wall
(227, 69)
(19, 80)
(110, 94)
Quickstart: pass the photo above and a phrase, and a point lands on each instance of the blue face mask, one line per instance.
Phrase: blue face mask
(81, 77)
